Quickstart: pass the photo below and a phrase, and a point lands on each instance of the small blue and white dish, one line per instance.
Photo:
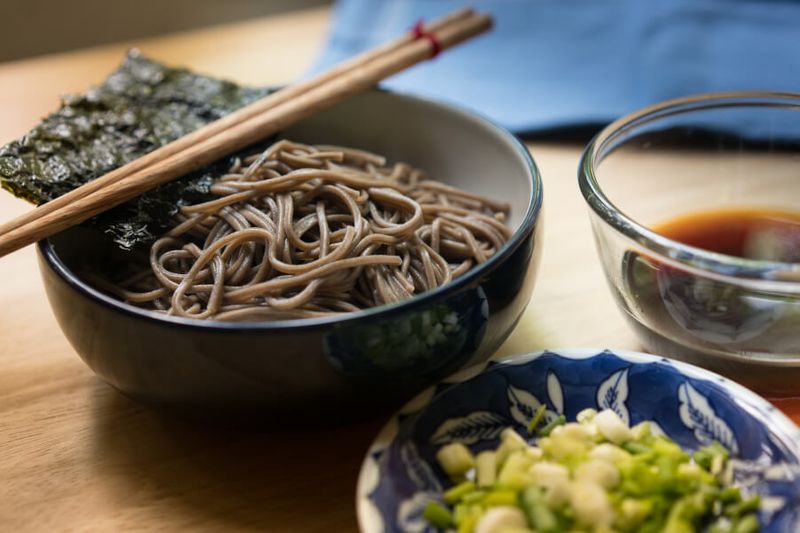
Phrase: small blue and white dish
(693, 406)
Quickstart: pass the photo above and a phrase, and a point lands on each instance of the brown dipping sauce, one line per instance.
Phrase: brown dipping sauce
(682, 312)
(748, 232)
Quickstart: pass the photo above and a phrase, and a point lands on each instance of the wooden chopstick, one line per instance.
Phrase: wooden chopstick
(219, 126)
(243, 134)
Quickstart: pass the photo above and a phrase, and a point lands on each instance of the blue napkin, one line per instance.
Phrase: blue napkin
(553, 64)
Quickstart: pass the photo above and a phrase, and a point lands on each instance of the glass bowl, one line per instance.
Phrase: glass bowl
(739, 317)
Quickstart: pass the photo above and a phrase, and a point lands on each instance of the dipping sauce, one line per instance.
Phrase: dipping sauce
(684, 311)
(748, 232)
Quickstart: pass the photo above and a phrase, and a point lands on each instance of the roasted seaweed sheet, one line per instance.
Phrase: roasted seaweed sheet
(141, 106)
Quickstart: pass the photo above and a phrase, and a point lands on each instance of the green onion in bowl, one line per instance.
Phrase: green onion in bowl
(596, 475)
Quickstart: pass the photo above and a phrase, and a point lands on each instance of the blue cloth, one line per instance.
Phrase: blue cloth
(551, 64)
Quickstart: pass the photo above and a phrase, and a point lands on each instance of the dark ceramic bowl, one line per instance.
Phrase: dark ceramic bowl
(388, 352)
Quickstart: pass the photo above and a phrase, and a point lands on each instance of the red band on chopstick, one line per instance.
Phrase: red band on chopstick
(419, 33)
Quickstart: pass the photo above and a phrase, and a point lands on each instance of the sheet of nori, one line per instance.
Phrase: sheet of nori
(141, 106)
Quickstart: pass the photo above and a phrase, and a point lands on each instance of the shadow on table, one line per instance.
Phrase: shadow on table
(189, 473)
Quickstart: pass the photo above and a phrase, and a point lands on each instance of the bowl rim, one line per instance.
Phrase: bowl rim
(526, 225)
(776, 419)
(749, 271)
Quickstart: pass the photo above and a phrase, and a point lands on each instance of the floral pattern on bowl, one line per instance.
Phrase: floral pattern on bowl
(693, 406)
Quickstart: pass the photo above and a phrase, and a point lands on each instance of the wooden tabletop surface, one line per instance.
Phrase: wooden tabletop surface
(76, 455)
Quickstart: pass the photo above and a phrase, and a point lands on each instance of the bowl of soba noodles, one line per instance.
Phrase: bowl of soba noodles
(364, 253)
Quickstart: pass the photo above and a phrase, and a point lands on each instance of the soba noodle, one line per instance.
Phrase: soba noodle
(306, 231)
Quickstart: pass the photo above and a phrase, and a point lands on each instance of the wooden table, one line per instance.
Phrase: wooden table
(76, 455)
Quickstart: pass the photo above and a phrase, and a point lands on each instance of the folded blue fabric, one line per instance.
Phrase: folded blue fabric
(551, 64)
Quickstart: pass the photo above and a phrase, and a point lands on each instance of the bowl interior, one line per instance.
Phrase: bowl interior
(694, 407)
(449, 144)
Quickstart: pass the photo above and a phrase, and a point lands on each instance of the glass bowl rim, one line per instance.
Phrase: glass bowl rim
(721, 264)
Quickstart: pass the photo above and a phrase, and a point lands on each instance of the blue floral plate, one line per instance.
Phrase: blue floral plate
(693, 406)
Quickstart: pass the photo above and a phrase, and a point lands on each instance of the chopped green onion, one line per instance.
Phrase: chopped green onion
(730, 495)
(510, 442)
(537, 418)
(474, 496)
(586, 415)
(458, 492)
(560, 420)
(706, 455)
(537, 512)
(596, 474)
(745, 506)
(611, 426)
(501, 497)
(642, 430)
(747, 524)
(501, 520)
(636, 448)
(486, 468)
(455, 459)
(468, 525)
(514, 470)
(437, 515)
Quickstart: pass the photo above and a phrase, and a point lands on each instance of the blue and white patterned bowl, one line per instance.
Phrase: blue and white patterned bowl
(693, 406)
